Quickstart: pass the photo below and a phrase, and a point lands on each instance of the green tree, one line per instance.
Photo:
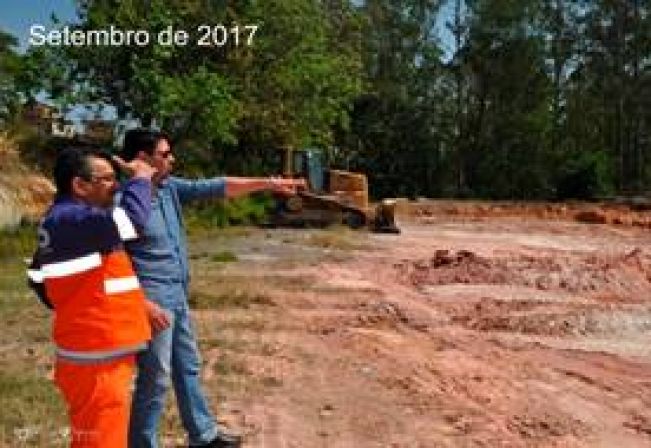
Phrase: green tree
(536, 97)
(396, 121)
(10, 66)
(610, 85)
(292, 85)
(507, 106)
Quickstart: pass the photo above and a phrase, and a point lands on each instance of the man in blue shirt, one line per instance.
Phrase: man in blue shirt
(160, 260)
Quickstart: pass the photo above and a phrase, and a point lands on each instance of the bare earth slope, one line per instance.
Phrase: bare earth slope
(24, 192)
(461, 332)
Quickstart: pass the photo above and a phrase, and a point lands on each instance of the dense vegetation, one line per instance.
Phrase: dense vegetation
(467, 98)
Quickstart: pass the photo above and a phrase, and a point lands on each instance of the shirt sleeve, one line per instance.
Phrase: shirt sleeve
(107, 228)
(133, 210)
(35, 280)
(190, 190)
(81, 228)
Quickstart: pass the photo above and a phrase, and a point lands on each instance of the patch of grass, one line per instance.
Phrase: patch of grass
(228, 365)
(23, 319)
(171, 428)
(199, 233)
(267, 349)
(231, 375)
(23, 327)
(222, 343)
(262, 282)
(13, 282)
(246, 210)
(26, 398)
(31, 411)
(228, 299)
(271, 381)
(335, 239)
(215, 289)
(248, 323)
(224, 257)
(17, 243)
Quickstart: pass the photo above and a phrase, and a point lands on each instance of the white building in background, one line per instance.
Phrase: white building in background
(48, 121)
(63, 128)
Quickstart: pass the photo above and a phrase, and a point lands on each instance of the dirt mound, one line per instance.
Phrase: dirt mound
(24, 193)
(621, 276)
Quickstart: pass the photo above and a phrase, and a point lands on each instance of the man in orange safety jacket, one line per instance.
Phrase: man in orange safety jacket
(81, 271)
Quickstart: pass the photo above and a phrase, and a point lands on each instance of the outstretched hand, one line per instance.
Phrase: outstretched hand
(135, 168)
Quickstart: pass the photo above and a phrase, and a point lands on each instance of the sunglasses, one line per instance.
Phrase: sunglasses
(165, 154)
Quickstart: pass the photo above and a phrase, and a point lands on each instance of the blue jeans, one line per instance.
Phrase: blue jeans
(173, 351)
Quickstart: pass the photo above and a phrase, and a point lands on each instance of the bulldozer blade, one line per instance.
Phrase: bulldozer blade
(385, 218)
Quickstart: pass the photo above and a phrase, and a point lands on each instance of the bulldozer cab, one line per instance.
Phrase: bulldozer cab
(333, 196)
(308, 164)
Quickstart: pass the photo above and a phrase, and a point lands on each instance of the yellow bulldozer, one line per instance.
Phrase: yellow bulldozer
(331, 197)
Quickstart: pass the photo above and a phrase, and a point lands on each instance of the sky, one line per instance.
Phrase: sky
(16, 16)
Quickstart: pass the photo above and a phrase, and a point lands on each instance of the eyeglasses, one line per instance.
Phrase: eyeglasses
(165, 154)
(107, 178)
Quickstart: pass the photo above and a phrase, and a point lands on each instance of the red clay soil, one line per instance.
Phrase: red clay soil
(464, 331)
(634, 212)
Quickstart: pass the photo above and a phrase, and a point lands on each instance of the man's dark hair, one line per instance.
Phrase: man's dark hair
(74, 162)
(141, 139)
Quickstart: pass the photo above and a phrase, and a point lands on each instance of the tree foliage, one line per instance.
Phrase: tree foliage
(291, 86)
(10, 66)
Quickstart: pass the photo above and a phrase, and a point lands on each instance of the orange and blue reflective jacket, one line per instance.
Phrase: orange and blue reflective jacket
(82, 272)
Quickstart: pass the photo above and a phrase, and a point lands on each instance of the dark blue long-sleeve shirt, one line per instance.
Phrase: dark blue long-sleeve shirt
(72, 228)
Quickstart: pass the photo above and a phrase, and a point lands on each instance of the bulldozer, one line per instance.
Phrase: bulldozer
(331, 196)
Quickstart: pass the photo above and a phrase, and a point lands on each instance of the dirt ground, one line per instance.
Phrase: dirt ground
(470, 329)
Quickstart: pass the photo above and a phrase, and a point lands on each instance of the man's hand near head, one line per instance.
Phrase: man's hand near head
(135, 168)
